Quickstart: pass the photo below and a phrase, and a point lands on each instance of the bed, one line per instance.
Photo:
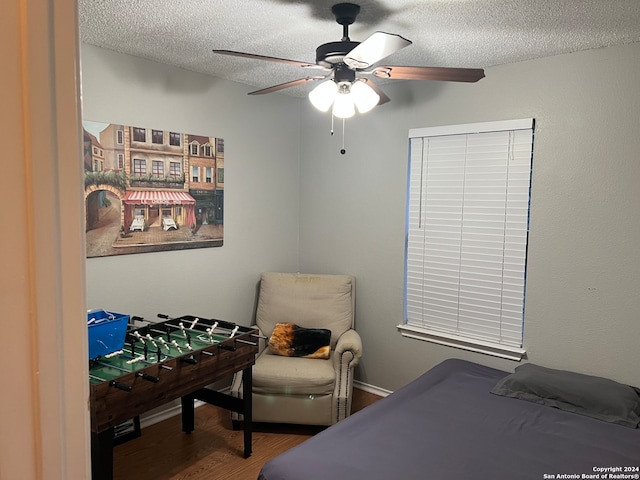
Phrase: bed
(452, 423)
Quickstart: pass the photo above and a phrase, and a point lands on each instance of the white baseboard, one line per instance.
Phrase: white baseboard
(164, 414)
(381, 392)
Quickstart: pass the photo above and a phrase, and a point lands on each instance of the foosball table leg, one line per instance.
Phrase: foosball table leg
(102, 455)
(188, 413)
(247, 388)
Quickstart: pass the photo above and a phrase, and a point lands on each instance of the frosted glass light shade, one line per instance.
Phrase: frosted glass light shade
(364, 96)
(343, 106)
(323, 95)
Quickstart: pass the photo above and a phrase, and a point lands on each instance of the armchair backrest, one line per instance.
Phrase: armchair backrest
(308, 300)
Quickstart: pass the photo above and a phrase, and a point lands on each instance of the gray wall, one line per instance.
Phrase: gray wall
(583, 309)
(292, 202)
(262, 148)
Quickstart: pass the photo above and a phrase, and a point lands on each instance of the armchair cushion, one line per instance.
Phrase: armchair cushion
(291, 340)
(275, 374)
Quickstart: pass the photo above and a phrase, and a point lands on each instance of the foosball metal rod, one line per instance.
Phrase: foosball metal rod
(131, 357)
(229, 326)
(113, 383)
(144, 376)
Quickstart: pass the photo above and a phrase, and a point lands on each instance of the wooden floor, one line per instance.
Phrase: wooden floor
(214, 451)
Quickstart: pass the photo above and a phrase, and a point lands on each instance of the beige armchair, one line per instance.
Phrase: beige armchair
(304, 390)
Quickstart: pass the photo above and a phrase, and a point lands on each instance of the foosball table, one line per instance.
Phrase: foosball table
(160, 362)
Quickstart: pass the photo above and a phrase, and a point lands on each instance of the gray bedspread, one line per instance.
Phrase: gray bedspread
(447, 425)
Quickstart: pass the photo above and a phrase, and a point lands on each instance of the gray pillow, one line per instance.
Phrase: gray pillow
(595, 397)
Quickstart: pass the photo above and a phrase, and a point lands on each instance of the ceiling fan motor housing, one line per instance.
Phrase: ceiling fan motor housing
(332, 53)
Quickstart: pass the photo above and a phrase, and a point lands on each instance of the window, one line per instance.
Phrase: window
(220, 145)
(139, 166)
(207, 176)
(139, 134)
(221, 175)
(193, 148)
(206, 149)
(157, 136)
(174, 139)
(195, 174)
(119, 137)
(467, 227)
(157, 168)
(174, 169)
(120, 161)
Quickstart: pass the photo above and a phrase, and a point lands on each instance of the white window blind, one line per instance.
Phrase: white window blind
(467, 224)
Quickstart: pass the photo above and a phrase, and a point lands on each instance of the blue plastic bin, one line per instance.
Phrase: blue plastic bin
(107, 331)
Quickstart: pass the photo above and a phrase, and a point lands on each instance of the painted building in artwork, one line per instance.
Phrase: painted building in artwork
(93, 153)
(94, 162)
(112, 141)
(206, 178)
(155, 162)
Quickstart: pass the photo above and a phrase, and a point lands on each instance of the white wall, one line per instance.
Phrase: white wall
(582, 310)
(262, 145)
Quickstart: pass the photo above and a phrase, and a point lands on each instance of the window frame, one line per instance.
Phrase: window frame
(157, 137)
(174, 139)
(429, 327)
(175, 169)
(139, 166)
(139, 134)
(157, 168)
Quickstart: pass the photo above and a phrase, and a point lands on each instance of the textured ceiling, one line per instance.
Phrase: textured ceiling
(447, 33)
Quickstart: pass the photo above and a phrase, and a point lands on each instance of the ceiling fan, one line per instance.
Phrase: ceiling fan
(344, 61)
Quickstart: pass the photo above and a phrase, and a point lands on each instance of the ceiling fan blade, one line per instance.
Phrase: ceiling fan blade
(282, 86)
(375, 48)
(429, 73)
(269, 59)
(383, 97)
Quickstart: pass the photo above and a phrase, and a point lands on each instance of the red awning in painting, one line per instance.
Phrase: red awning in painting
(152, 197)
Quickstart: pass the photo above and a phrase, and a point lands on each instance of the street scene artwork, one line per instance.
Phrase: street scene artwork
(149, 190)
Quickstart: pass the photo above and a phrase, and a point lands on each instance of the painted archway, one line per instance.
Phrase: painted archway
(91, 202)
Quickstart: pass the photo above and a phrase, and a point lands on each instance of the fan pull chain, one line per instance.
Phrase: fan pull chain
(342, 150)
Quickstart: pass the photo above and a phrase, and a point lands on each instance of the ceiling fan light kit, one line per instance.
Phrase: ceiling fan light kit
(346, 86)
(344, 98)
(323, 95)
(364, 97)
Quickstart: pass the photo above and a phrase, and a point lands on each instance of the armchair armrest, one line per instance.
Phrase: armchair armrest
(345, 357)
(348, 350)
